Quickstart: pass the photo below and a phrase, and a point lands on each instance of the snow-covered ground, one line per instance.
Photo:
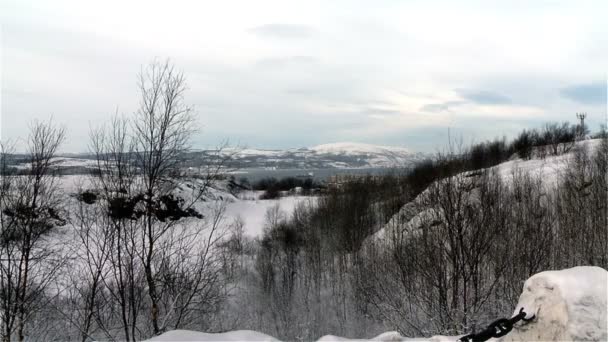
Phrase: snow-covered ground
(565, 305)
(548, 168)
(64, 162)
(253, 210)
(187, 335)
(246, 206)
(249, 335)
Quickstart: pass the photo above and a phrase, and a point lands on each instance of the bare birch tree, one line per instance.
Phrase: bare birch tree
(31, 211)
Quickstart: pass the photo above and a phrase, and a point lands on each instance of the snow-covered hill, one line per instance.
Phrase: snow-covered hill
(549, 169)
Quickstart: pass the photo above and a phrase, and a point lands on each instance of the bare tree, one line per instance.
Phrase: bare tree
(31, 210)
(150, 258)
(162, 127)
(8, 250)
(115, 180)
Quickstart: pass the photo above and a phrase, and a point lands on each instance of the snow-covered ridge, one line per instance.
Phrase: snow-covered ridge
(326, 156)
(358, 149)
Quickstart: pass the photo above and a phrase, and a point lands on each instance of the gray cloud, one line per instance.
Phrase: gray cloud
(484, 97)
(589, 93)
(283, 31)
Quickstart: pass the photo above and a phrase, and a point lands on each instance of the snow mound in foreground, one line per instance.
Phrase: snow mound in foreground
(391, 336)
(249, 335)
(190, 336)
(566, 305)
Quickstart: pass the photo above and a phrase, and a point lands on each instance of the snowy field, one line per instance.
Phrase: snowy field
(246, 206)
(253, 210)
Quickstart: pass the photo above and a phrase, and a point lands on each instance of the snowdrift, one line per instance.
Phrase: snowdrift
(566, 305)
(249, 335)
(187, 335)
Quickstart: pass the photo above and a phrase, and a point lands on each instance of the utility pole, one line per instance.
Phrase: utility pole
(581, 127)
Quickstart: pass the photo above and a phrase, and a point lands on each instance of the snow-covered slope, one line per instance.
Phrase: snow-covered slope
(549, 169)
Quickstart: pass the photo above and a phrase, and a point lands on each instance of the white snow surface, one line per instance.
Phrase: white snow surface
(548, 168)
(581, 291)
(246, 206)
(249, 335)
(65, 162)
(253, 210)
(188, 335)
(569, 304)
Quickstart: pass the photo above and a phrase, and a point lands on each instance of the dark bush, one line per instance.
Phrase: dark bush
(87, 197)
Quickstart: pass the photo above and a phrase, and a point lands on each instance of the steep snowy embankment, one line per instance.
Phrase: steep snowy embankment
(548, 169)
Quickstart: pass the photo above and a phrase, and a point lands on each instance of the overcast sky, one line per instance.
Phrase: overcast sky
(278, 74)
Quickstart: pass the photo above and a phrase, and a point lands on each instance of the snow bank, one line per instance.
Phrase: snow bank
(190, 336)
(249, 335)
(566, 305)
(391, 336)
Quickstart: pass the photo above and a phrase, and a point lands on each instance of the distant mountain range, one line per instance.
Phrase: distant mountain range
(327, 156)
(343, 155)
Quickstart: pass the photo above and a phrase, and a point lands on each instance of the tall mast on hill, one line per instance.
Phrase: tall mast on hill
(581, 127)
